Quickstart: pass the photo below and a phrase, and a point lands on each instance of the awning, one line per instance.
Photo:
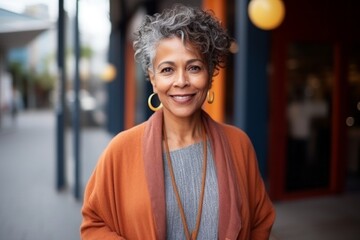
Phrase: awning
(18, 30)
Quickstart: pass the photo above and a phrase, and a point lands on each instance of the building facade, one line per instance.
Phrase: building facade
(295, 90)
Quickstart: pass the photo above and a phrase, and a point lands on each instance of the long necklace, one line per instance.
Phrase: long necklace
(195, 232)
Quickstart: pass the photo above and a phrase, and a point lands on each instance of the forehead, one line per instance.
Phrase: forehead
(175, 47)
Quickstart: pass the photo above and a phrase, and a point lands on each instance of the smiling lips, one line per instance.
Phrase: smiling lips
(184, 98)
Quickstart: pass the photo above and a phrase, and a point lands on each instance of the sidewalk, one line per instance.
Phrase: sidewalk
(32, 209)
(322, 218)
(30, 206)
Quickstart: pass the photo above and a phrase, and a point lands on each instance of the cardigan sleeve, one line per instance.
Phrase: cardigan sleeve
(116, 199)
(262, 210)
(258, 212)
(97, 222)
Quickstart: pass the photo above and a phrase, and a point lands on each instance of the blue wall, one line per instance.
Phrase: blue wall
(251, 83)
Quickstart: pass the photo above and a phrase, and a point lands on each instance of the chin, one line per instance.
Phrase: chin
(184, 113)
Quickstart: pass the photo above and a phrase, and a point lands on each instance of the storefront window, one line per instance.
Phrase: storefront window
(309, 81)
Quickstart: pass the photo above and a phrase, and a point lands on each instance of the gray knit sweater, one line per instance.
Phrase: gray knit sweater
(187, 165)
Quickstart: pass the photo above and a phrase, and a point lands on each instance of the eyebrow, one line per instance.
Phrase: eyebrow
(187, 62)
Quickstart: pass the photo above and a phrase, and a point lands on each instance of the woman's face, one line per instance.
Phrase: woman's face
(180, 78)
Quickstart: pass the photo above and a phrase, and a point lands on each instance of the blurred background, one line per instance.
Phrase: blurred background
(69, 83)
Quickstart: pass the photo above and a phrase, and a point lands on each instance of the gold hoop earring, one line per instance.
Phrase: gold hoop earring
(210, 97)
(150, 104)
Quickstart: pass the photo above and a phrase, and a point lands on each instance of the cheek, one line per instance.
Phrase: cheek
(160, 86)
(206, 84)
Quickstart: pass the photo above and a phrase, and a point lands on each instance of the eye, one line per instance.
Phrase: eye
(166, 70)
(194, 68)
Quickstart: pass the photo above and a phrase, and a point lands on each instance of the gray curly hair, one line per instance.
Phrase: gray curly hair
(196, 26)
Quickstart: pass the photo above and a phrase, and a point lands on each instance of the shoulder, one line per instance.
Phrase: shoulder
(125, 145)
(129, 136)
(235, 134)
(240, 146)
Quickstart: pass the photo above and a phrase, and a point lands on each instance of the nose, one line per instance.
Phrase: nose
(181, 79)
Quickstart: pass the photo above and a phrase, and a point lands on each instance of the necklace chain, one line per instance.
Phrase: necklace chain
(195, 232)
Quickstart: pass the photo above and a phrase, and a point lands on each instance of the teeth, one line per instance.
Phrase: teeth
(181, 98)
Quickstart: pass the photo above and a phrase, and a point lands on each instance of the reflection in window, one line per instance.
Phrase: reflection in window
(309, 80)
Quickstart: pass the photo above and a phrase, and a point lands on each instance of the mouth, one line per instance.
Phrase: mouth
(183, 98)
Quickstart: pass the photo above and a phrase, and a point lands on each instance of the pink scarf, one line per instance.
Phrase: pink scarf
(229, 196)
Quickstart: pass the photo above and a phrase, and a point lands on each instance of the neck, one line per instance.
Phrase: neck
(183, 132)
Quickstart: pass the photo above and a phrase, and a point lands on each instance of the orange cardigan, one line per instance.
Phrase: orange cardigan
(125, 197)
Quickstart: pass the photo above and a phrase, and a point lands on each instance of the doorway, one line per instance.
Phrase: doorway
(309, 76)
(314, 110)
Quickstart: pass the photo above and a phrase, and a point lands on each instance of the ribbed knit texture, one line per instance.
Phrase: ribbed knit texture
(187, 164)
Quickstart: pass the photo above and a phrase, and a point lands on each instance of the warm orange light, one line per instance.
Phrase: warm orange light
(109, 73)
(266, 14)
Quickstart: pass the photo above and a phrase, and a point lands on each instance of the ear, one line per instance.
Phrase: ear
(210, 83)
(152, 80)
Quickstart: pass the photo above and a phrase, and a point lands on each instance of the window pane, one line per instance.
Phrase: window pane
(309, 80)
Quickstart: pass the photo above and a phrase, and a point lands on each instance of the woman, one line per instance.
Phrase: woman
(179, 175)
